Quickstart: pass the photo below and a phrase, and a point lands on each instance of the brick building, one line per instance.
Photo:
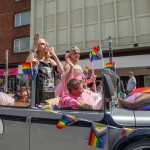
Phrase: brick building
(14, 37)
(14, 29)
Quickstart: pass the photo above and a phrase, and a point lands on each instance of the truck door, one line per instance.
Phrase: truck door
(44, 134)
(14, 128)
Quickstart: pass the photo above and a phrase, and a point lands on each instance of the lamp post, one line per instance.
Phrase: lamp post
(110, 49)
(6, 72)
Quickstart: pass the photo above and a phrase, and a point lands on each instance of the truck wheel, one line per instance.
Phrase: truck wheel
(138, 145)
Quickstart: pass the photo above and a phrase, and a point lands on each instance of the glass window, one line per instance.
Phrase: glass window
(21, 45)
(22, 19)
(18, 88)
(147, 81)
(18, 0)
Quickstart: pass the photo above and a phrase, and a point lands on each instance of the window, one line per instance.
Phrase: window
(18, 88)
(21, 45)
(18, 0)
(22, 19)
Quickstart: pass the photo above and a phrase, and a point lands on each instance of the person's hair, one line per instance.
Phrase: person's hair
(47, 55)
(131, 72)
(74, 48)
(73, 84)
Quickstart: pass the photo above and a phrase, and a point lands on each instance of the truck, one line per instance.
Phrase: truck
(32, 128)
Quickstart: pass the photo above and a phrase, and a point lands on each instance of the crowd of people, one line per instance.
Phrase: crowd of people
(72, 90)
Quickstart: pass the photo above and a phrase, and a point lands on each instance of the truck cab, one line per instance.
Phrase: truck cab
(29, 127)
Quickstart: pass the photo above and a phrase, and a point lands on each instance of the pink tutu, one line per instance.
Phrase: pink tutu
(92, 98)
(61, 87)
(6, 100)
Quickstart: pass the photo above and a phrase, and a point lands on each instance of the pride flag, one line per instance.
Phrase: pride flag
(125, 131)
(27, 67)
(96, 53)
(65, 120)
(97, 136)
(30, 68)
(85, 71)
(110, 65)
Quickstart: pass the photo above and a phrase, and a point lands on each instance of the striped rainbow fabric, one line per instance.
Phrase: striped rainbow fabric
(94, 53)
(27, 67)
(65, 120)
(97, 136)
(85, 71)
(110, 65)
(30, 68)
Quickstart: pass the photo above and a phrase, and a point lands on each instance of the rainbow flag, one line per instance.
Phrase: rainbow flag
(96, 54)
(125, 131)
(97, 136)
(65, 120)
(47, 107)
(30, 68)
(110, 65)
(23, 99)
(27, 67)
(85, 71)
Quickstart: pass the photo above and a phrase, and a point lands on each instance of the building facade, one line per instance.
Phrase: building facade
(14, 37)
(85, 23)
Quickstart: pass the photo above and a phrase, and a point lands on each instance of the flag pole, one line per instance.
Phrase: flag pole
(6, 72)
(93, 75)
(102, 57)
(110, 49)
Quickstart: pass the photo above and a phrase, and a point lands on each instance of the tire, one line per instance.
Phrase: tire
(138, 145)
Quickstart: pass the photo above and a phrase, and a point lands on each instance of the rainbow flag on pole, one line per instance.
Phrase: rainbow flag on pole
(30, 68)
(97, 136)
(85, 71)
(27, 67)
(111, 66)
(96, 53)
(65, 121)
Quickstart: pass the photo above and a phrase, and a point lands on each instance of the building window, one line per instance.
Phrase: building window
(18, 0)
(22, 19)
(21, 45)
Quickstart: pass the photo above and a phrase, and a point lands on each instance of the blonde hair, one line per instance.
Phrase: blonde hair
(47, 54)
(74, 48)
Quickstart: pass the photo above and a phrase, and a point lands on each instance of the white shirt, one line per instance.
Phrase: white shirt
(131, 83)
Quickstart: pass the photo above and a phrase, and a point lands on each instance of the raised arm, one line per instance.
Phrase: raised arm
(57, 61)
(68, 68)
(34, 49)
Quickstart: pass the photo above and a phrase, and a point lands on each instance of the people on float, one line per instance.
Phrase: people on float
(72, 70)
(79, 98)
(49, 64)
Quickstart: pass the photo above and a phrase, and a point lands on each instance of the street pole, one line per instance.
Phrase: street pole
(110, 50)
(6, 72)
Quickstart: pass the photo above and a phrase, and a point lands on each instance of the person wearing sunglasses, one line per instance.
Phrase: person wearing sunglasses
(72, 70)
(49, 65)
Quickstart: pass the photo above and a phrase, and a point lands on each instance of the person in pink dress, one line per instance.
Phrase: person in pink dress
(6, 99)
(72, 70)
